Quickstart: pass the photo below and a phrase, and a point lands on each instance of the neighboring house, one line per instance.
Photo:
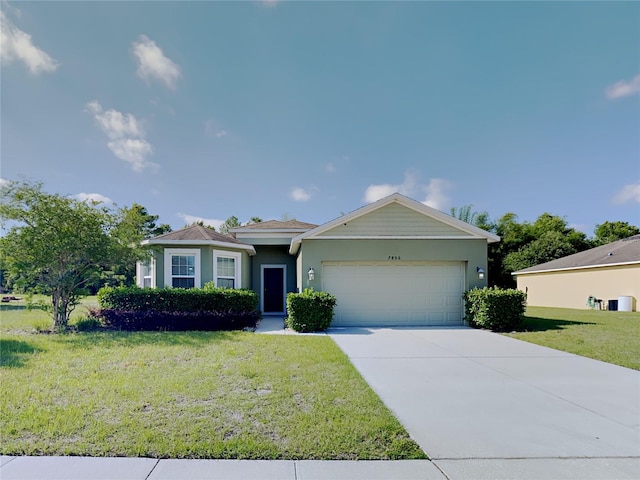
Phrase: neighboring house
(607, 273)
(392, 262)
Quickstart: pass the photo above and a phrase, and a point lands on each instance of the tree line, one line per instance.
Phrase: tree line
(525, 244)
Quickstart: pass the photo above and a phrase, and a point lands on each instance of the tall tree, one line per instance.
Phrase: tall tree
(132, 225)
(56, 243)
(478, 219)
(527, 244)
(551, 245)
(608, 232)
(229, 223)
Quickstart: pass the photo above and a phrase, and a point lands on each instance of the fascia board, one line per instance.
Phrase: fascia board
(214, 243)
(581, 267)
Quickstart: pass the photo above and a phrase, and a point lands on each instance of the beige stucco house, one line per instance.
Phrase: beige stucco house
(610, 273)
(392, 262)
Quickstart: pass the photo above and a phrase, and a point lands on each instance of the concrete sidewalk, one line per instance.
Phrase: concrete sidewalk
(90, 468)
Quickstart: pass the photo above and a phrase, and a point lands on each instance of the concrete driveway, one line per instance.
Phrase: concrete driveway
(483, 405)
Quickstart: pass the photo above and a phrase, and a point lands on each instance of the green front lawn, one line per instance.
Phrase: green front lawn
(187, 395)
(609, 336)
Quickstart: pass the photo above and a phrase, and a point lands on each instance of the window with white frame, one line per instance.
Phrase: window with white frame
(182, 267)
(144, 274)
(226, 269)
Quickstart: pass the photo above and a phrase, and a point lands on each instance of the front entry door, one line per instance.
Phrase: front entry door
(273, 289)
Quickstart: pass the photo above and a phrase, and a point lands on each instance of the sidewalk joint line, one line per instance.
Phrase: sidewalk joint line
(152, 469)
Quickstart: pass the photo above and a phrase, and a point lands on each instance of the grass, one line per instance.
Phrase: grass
(187, 395)
(609, 336)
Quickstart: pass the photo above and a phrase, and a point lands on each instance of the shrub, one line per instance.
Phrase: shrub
(88, 324)
(209, 299)
(495, 308)
(178, 321)
(209, 308)
(310, 311)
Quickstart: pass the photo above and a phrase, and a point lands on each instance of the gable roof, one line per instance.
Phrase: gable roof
(620, 252)
(199, 235)
(275, 226)
(470, 230)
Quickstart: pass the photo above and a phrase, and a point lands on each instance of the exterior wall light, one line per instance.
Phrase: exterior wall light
(480, 271)
(312, 274)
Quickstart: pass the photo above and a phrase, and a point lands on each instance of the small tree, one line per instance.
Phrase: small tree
(55, 244)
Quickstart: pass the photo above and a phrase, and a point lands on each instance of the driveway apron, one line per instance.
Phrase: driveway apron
(473, 396)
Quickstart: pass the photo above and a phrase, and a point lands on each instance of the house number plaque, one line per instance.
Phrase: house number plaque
(393, 257)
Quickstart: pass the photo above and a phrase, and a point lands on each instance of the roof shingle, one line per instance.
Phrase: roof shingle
(277, 225)
(621, 251)
(197, 233)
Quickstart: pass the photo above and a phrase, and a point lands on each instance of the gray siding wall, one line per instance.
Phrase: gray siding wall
(394, 219)
(314, 252)
(272, 255)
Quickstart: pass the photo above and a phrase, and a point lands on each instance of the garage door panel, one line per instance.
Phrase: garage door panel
(396, 294)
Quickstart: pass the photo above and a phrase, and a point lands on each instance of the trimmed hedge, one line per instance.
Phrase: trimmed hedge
(495, 308)
(310, 311)
(208, 299)
(208, 308)
(177, 321)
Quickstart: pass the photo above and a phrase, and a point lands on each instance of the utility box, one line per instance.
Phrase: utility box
(625, 304)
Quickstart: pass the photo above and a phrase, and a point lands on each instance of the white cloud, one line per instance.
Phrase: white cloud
(17, 45)
(437, 197)
(4, 182)
(153, 64)
(269, 3)
(212, 129)
(300, 194)
(126, 136)
(581, 227)
(408, 187)
(93, 197)
(190, 219)
(623, 89)
(330, 167)
(436, 190)
(628, 194)
(115, 124)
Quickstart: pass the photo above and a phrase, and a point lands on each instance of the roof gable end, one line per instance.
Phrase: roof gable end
(393, 217)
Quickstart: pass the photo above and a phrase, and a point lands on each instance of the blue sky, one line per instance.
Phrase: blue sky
(203, 110)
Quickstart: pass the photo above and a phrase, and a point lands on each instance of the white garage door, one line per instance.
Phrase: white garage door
(395, 293)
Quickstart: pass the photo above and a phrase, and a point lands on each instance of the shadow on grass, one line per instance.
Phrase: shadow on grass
(12, 307)
(539, 324)
(86, 340)
(15, 353)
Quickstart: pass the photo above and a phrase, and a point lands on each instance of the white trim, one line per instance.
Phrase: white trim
(152, 270)
(262, 234)
(214, 243)
(169, 252)
(402, 200)
(396, 237)
(270, 230)
(237, 263)
(583, 267)
(284, 287)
